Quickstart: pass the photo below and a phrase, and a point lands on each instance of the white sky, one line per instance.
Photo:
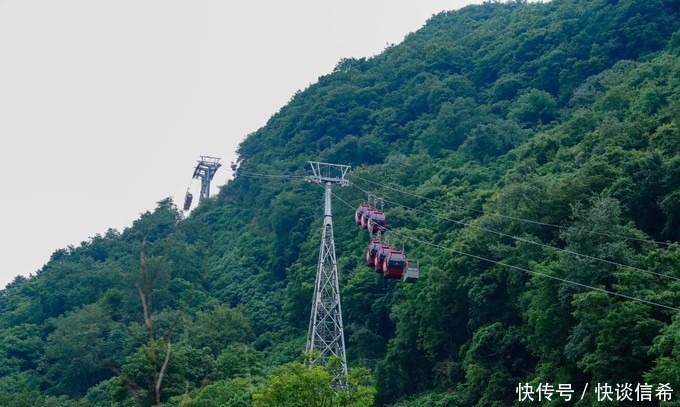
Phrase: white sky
(105, 106)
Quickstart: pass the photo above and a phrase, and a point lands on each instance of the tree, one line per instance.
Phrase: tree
(666, 349)
(488, 141)
(295, 384)
(79, 352)
(183, 371)
(218, 328)
(237, 392)
(534, 107)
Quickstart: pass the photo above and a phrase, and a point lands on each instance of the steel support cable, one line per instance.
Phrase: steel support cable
(535, 222)
(541, 244)
(502, 234)
(563, 280)
(191, 183)
(500, 263)
(259, 175)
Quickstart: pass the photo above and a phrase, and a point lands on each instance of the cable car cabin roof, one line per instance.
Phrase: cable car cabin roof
(376, 221)
(396, 259)
(377, 215)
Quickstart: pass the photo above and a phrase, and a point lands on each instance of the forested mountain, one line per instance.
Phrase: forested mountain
(529, 158)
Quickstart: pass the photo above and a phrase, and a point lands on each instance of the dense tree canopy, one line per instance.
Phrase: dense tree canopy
(529, 158)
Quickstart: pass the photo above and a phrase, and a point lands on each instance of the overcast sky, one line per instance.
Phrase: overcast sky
(105, 106)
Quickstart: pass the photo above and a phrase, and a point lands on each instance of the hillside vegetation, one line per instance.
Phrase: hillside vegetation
(529, 157)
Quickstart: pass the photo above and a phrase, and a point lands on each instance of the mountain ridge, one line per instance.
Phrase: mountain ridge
(555, 123)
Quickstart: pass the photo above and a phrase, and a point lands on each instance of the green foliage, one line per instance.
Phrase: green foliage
(239, 360)
(564, 113)
(666, 348)
(295, 384)
(187, 369)
(533, 107)
(488, 141)
(21, 399)
(218, 328)
(82, 349)
(435, 399)
(228, 393)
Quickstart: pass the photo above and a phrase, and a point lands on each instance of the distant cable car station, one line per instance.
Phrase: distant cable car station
(205, 170)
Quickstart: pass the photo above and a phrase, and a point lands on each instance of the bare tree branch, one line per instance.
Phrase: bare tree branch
(157, 387)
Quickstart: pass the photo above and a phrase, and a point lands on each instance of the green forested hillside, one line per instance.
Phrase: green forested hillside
(529, 157)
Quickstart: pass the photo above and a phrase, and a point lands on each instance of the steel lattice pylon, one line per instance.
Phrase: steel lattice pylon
(205, 170)
(325, 338)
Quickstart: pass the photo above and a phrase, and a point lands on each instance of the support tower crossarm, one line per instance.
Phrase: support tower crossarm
(205, 170)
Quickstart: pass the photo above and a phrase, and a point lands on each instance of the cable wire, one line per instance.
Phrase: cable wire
(500, 263)
(535, 222)
(260, 175)
(564, 280)
(521, 239)
(484, 229)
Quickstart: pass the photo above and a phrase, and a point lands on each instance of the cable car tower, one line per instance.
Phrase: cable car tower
(205, 170)
(325, 336)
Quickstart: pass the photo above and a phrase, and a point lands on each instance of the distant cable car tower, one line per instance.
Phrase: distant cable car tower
(325, 334)
(205, 170)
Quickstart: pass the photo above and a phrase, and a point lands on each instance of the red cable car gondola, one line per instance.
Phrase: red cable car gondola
(365, 217)
(371, 251)
(394, 264)
(187, 201)
(360, 212)
(380, 257)
(376, 220)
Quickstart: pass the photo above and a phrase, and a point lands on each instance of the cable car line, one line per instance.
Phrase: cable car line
(502, 234)
(564, 280)
(535, 222)
(510, 266)
(387, 260)
(259, 175)
(541, 244)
